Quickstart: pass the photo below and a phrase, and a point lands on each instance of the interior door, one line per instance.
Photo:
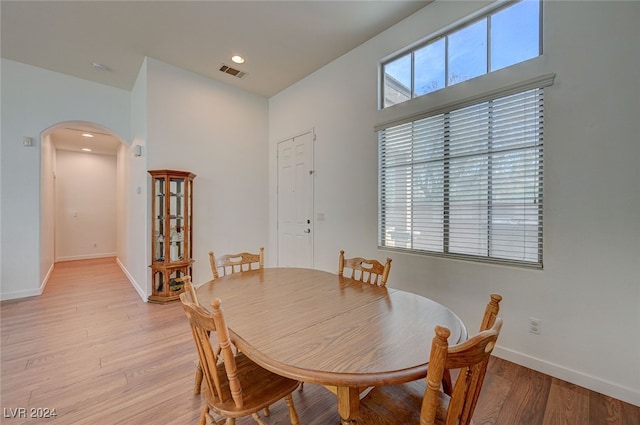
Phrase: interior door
(295, 201)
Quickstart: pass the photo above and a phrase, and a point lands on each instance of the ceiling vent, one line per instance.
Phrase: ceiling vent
(232, 71)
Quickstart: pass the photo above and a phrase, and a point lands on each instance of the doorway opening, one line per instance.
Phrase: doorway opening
(79, 192)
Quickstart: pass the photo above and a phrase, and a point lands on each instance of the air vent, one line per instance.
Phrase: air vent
(232, 71)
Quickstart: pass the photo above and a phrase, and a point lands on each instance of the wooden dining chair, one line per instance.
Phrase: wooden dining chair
(471, 358)
(190, 296)
(490, 314)
(364, 270)
(427, 404)
(234, 263)
(235, 386)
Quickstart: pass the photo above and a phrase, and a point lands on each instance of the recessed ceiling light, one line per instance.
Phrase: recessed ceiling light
(237, 59)
(86, 149)
(87, 135)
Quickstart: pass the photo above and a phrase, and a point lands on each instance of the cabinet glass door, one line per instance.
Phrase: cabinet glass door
(176, 219)
(159, 210)
(188, 221)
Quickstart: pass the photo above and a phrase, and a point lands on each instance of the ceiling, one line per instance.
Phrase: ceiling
(70, 137)
(282, 41)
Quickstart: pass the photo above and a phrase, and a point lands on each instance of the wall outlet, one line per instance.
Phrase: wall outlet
(534, 325)
(95, 244)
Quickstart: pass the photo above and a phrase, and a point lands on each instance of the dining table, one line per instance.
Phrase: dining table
(322, 328)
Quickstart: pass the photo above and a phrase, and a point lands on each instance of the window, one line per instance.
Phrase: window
(466, 181)
(504, 37)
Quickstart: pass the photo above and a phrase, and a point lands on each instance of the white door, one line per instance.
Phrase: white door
(295, 202)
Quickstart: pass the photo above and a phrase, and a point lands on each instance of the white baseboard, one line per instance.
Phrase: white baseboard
(28, 293)
(594, 383)
(46, 278)
(85, 257)
(20, 294)
(135, 284)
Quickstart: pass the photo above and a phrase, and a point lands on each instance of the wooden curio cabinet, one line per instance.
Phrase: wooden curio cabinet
(171, 232)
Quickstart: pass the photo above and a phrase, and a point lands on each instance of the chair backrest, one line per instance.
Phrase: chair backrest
(364, 270)
(202, 324)
(235, 263)
(491, 312)
(189, 290)
(489, 318)
(471, 357)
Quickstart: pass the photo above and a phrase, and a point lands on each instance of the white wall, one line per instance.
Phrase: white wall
(219, 133)
(132, 185)
(85, 205)
(588, 294)
(47, 206)
(34, 99)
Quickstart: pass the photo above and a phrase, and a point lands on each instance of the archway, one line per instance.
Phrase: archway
(78, 166)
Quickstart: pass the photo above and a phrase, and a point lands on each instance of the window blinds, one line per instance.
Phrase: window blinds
(466, 182)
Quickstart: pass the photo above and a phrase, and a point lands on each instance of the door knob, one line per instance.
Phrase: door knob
(307, 231)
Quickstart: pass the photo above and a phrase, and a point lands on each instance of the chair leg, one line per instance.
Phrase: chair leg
(257, 419)
(266, 411)
(203, 415)
(196, 388)
(292, 410)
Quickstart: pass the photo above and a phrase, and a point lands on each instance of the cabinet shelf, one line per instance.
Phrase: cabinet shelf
(171, 233)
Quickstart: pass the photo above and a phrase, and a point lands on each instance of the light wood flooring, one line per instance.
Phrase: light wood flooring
(91, 349)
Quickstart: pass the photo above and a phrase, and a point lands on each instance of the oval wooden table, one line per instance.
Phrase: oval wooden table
(322, 328)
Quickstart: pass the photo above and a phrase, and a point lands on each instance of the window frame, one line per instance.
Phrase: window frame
(484, 15)
(535, 83)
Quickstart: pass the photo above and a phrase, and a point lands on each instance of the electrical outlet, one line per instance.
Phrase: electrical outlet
(95, 244)
(534, 325)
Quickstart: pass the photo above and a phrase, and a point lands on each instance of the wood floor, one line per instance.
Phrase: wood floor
(91, 349)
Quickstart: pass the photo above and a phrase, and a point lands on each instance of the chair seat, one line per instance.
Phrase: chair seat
(260, 387)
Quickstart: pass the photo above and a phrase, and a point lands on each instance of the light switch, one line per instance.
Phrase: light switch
(27, 141)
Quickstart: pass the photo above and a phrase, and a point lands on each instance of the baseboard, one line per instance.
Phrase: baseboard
(20, 294)
(28, 293)
(133, 282)
(85, 257)
(46, 278)
(594, 383)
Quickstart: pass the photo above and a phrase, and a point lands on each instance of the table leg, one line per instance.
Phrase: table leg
(348, 404)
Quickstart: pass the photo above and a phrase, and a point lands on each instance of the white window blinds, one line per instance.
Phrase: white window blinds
(466, 182)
